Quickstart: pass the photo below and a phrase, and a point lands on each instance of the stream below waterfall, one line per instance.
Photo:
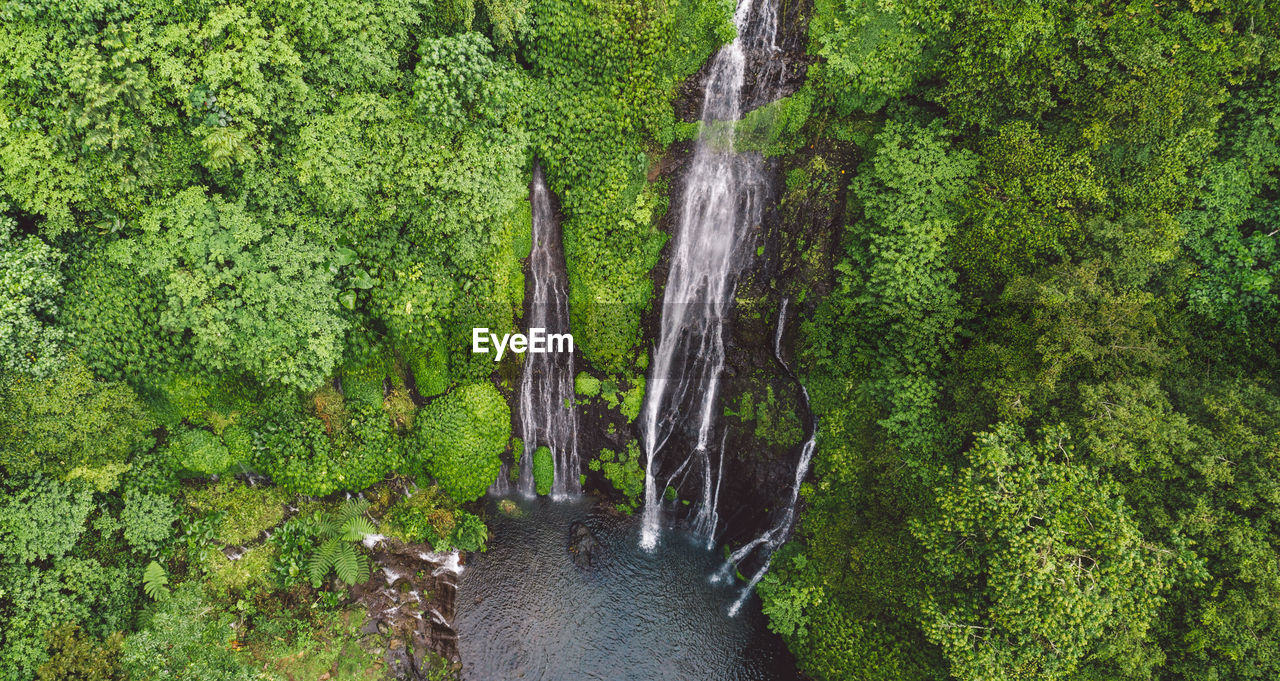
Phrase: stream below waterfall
(526, 611)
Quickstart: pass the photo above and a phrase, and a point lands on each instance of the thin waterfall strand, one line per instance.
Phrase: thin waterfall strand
(772, 538)
(547, 415)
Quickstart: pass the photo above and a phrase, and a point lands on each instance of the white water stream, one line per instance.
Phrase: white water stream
(723, 198)
(547, 415)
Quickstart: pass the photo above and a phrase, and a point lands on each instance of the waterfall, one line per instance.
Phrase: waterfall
(772, 538)
(723, 198)
(547, 415)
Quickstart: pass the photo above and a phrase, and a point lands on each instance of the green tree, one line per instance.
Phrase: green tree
(42, 519)
(896, 303)
(31, 284)
(1038, 568)
(254, 297)
(71, 424)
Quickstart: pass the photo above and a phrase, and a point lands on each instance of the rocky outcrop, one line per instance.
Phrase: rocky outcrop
(411, 600)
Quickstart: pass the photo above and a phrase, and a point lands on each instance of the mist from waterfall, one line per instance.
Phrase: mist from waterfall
(723, 197)
(547, 414)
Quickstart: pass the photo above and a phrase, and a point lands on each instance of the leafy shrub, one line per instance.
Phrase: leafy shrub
(148, 521)
(460, 436)
(29, 276)
(310, 546)
(34, 600)
(624, 472)
(68, 421)
(183, 641)
(199, 452)
(428, 516)
(470, 532)
(42, 520)
(544, 470)
(362, 379)
(239, 442)
(292, 448)
(633, 399)
(113, 313)
(424, 516)
(229, 272)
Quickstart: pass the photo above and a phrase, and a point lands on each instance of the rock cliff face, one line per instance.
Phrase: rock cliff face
(762, 422)
(411, 599)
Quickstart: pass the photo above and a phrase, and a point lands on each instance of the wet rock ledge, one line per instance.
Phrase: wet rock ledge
(411, 599)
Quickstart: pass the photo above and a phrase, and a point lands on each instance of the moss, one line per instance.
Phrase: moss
(745, 410)
(623, 471)
(228, 578)
(333, 645)
(424, 516)
(400, 409)
(509, 508)
(544, 470)
(777, 424)
(586, 385)
(774, 129)
(248, 510)
(330, 407)
(633, 399)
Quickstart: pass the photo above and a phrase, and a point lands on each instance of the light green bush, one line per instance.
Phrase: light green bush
(458, 438)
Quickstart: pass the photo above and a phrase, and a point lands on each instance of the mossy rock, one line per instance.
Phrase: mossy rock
(586, 385)
(251, 570)
(544, 470)
(248, 510)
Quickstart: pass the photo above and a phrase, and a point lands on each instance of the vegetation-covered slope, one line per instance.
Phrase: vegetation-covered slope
(1046, 372)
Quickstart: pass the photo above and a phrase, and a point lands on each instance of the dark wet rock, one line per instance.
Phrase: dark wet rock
(400, 662)
(582, 544)
(411, 598)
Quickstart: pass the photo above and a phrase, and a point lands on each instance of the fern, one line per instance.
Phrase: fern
(357, 528)
(321, 561)
(336, 552)
(352, 508)
(155, 581)
(351, 567)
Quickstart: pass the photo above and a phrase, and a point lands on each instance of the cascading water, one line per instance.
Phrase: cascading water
(772, 538)
(723, 197)
(547, 415)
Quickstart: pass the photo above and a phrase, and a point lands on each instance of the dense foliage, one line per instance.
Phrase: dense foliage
(243, 246)
(1053, 311)
(252, 239)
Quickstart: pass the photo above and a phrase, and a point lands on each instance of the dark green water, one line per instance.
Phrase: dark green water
(525, 611)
